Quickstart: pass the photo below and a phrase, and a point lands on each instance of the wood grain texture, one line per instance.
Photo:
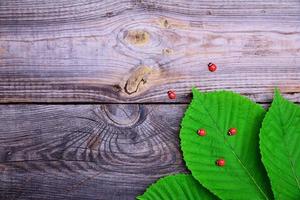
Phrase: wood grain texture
(134, 51)
(108, 151)
(103, 152)
(125, 51)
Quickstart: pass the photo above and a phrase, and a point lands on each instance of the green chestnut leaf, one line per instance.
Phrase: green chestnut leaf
(229, 165)
(280, 147)
(175, 187)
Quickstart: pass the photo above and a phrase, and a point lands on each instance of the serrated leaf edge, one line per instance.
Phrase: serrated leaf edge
(196, 92)
(159, 180)
(277, 97)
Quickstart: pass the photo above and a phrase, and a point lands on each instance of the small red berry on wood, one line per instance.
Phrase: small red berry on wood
(220, 162)
(232, 131)
(212, 67)
(171, 94)
(201, 132)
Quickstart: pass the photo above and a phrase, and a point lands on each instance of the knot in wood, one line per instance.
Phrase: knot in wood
(167, 51)
(137, 37)
(122, 115)
(137, 79)
(166, 23)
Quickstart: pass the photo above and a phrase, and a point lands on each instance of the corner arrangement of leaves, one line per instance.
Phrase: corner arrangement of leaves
(236, 150)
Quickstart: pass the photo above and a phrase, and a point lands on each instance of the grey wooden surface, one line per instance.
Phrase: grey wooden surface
(111, 151)
(88, 51)
(84, 111)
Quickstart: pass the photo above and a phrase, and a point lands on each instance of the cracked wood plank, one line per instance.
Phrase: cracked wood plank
(91, 51)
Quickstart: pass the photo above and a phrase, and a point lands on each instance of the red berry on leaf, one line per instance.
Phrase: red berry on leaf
(212, 67)
(201, 132)
(220, 162)
(171, 94)
(232, 131)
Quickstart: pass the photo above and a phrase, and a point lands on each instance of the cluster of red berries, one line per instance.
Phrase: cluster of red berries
(232, 131)
(211, 67)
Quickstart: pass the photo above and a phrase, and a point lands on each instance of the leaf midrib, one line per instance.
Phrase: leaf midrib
(232, 150)
(285, 145)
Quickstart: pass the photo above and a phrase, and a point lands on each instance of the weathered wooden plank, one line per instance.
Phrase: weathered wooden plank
(134, 51)
(108, 151)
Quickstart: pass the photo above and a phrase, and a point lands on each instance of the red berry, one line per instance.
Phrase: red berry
(201, 132)
(232, 131)
(212, 67)
(220, 162)
(171, 94)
